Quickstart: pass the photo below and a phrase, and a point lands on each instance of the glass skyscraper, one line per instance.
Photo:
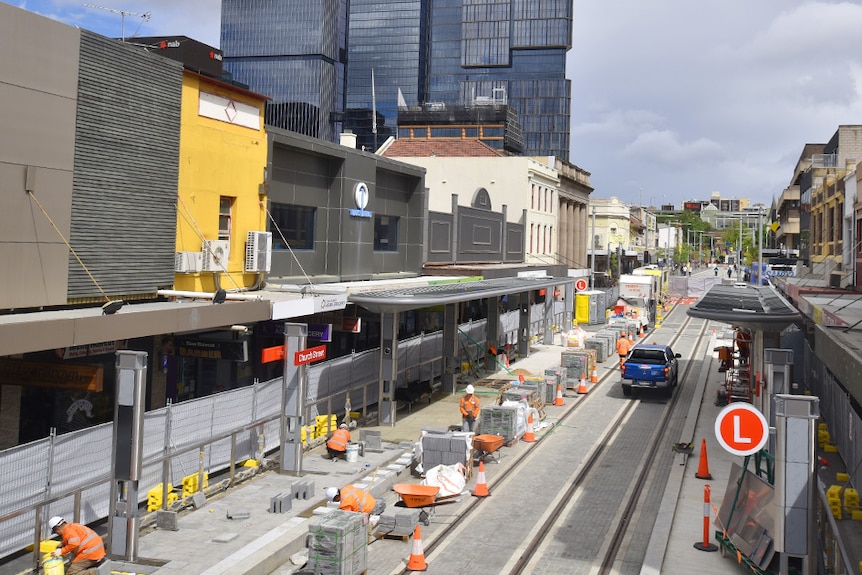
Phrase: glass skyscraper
(436, 52)
(294, 52)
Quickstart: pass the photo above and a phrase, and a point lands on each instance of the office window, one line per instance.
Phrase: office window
(385, 234)
(225, 214)
(295, 223)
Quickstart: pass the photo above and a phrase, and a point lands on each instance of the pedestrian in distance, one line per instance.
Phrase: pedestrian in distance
(623, 349)
(336, 445)
(85, 545)
(469, 406)
(729, 272)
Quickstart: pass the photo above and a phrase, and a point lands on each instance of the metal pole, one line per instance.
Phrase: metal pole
(739, 253)
(593, 253)
(760, 244)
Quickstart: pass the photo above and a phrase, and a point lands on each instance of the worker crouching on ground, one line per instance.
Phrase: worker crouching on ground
(469, 409)
(354, 499)
(336, 445)
(622, 349)
(86, 546)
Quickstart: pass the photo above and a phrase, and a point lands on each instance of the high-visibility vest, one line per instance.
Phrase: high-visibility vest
(469, 406)
(339, 440)
(622, 346)
(355, 499)
(84, 541)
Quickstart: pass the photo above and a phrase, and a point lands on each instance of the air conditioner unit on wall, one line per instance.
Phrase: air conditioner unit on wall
(215, 255)
(258, 252)
(188, 262)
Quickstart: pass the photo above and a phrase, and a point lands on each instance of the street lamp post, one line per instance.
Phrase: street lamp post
(593, 253)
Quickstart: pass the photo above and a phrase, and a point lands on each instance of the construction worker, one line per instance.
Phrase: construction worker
(336, 445)
(623, 346)
(352, 498)
(86, 546)
(469, 406)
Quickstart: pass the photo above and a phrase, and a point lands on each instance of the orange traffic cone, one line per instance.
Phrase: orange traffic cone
(642, 331)
(520, 378)
(703, 464)
(530, 434)
(594, 378)
(559, 399)
(582, 387)
(417, 555)
(631, 337)
(481, 489)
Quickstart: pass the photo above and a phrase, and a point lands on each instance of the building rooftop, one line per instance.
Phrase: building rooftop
(406, 148)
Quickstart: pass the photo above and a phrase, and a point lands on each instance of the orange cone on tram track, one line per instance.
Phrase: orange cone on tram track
(417, 555)
(481, 489)
(642, 331)
(703, 463)
(559, 399)
(631, 337)
(530, 434)
(594, 378)
(582, 387)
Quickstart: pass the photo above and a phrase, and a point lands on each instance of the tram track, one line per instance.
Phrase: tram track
(529, 552)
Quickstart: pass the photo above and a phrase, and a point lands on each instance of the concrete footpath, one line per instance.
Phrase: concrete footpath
(236, 532)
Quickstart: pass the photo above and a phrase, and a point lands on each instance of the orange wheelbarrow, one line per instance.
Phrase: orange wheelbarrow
(424, 497)
(486, 445)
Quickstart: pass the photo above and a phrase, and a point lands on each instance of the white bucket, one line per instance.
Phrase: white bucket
(352, 453)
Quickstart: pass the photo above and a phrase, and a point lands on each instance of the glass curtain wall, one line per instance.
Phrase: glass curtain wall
(294, 52)
(478, 46)
(388, 37)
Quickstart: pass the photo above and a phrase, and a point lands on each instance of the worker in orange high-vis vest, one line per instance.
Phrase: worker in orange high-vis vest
(87, 547)
(352, 498)
(469, 406)
(623, 347)
(336, 445)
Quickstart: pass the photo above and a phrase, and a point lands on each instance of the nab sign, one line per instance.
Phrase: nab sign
(741, 429)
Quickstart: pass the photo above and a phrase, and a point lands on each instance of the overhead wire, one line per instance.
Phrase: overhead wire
(191, 219)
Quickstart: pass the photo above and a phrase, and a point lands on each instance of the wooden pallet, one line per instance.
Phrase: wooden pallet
(404, 537)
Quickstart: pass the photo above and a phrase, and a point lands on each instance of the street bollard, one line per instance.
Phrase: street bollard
(705, 545)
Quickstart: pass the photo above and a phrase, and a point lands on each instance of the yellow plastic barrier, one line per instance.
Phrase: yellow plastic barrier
(154, 497)
(190, 483)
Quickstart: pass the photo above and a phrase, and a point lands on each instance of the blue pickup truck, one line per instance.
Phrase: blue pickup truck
(651, 367)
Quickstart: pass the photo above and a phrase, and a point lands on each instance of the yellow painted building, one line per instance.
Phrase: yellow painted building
(223, 154)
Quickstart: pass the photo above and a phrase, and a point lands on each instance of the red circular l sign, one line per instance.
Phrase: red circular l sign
(741, 429)
(581, 285)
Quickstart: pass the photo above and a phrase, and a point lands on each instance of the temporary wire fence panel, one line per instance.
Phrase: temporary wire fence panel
(24, 476)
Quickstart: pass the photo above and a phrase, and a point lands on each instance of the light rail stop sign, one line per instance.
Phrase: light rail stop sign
(741, 429)
(581, 285)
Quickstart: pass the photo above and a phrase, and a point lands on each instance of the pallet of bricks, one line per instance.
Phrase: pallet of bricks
(508, 421)
(447, 448)
(527, 392)
(337, 544)
(575, 363)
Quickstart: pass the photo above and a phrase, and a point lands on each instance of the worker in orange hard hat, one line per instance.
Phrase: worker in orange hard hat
(623, 347)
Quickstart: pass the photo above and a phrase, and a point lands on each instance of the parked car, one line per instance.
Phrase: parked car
(651, 367)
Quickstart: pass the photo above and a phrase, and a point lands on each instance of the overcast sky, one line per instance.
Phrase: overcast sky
(671, 99)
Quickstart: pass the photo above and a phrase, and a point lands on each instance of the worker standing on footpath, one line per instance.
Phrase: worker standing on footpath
(469, 406)
(622, 349)
(84, 543)
(336, 445)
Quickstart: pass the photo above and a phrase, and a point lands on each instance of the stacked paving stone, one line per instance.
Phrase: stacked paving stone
(503, 420)
(444, 449)
(399, 521)
(338, 544)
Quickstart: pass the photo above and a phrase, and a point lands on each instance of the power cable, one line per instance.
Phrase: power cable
(68, 245)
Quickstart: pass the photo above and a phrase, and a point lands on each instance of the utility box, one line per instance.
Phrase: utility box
(588, 307)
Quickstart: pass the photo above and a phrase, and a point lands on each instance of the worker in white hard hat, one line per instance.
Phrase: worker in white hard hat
(469, 406)
(83, 543)
(336, 445)
(351, 498)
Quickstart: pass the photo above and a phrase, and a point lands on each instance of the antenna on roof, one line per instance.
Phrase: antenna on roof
(123, 13)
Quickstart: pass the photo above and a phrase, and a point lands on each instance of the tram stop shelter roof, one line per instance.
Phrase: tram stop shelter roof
(408, 298)
(748, 306)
